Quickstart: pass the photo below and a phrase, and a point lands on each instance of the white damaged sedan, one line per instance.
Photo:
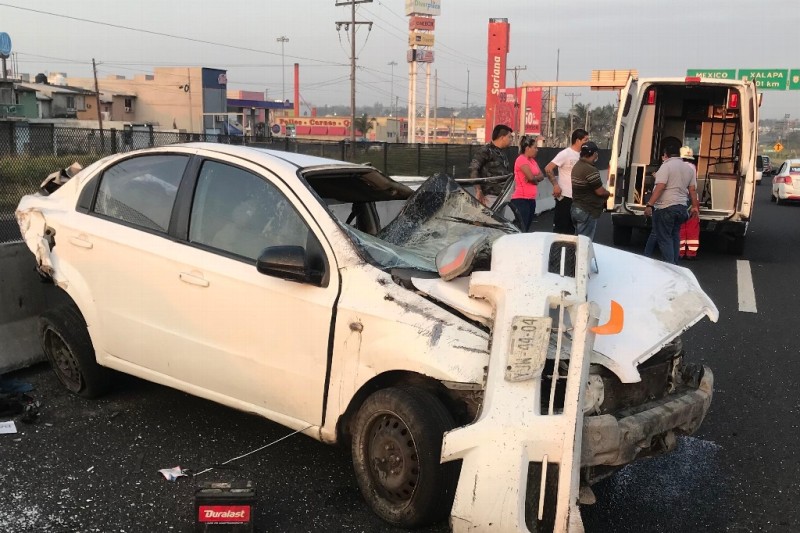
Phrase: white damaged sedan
(418, 327)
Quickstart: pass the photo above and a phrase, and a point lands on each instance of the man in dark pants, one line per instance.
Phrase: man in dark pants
(676, 185)
(562, 187)
(589, 196)
(490, 161)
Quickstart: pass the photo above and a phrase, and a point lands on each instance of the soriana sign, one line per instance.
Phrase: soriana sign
(422, 23)
(424, 7)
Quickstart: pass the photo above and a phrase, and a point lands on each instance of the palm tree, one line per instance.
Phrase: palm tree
(364, 124)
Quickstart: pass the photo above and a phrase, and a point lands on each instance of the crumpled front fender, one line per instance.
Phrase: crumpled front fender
(660, 301)
(36, 235)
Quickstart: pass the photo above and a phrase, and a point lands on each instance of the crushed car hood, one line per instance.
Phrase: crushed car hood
(659, 302)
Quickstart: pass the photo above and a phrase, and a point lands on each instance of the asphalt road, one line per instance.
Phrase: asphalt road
(91, 465)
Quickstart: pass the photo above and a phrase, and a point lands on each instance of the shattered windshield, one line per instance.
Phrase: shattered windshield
(438, 214)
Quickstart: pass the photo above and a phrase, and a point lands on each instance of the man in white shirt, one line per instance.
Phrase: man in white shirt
(562, 187)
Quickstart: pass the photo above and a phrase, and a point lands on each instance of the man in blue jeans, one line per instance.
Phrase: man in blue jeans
(676, 185)
(588, 194)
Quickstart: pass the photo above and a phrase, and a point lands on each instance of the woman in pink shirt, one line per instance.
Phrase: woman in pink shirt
(526, 175)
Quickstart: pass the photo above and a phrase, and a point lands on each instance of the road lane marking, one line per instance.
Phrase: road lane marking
(747, 294)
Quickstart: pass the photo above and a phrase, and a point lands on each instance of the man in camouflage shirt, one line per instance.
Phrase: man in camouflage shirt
(489, 161)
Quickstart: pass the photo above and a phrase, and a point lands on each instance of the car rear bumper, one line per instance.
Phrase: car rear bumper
(734, 228)
(617, 440)
(785, 193)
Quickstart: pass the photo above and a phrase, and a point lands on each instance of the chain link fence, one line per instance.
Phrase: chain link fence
(29, 152)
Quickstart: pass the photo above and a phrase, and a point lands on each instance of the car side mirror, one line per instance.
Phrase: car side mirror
(289, 263)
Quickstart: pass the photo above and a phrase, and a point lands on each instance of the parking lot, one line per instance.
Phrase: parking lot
(92, 465)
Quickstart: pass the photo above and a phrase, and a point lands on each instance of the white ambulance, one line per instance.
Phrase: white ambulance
(718, 119)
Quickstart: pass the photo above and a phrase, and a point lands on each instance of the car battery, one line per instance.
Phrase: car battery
(224, 507)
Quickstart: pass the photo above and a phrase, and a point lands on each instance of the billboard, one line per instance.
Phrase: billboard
(421, 23)
(421, 56)
(499, 30)
(424, 7)
(416, 38)
(508, 110)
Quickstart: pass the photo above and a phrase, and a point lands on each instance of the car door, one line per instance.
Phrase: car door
(749, 113)
(114, 244)
(251, 340)
(621, 144)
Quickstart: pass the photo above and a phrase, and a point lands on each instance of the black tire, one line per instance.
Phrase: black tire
(736, 245)
(67, 345)
(622, 235)
(404, 427)
(771, 197)
(779, 201)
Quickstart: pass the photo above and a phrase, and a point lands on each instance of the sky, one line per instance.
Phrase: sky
(656, 37)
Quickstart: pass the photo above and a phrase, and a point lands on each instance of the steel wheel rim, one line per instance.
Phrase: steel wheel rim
(63, 360)
(393, 458)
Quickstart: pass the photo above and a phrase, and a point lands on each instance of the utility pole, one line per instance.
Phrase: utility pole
(516, 97)
(586, 122)
(427, 100)
(554, 98)
(99, 112)
(571, 96)
(435, 104)
(283, 40)
(466, 112)
(351, 24)
(392, 109)
(391, 98)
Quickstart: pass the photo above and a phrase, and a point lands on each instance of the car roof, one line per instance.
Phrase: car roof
(269, 157)
(682, 81)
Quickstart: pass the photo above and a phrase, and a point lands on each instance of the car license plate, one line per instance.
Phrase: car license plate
(530, 337)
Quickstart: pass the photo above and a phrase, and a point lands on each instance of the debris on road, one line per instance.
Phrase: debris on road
(171, 474)
(7, 428)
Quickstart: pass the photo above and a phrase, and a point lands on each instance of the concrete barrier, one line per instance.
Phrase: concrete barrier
(23, 296)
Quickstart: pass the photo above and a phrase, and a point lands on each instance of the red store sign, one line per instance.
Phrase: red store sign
(421, 23)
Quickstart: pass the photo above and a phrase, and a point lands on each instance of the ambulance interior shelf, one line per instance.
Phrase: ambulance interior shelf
(716, 139)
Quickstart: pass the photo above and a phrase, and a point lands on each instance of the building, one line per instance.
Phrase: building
(255, 111)
(182, 98)
(53, 101)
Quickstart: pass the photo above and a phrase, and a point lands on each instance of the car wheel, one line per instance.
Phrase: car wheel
(622, 235)
(68, 347)
(779, 201)
(772, 197)
(396, 446)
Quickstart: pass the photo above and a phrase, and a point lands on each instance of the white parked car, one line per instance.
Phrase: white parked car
(289, 286)
(786, 183)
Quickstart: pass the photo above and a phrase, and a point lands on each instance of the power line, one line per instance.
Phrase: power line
(161, 34)
(351, 25)
(460, 55)
(403, 37)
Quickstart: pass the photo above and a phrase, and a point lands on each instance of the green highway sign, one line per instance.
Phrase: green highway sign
(794, 80)
(766, 79)
(717, 74)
